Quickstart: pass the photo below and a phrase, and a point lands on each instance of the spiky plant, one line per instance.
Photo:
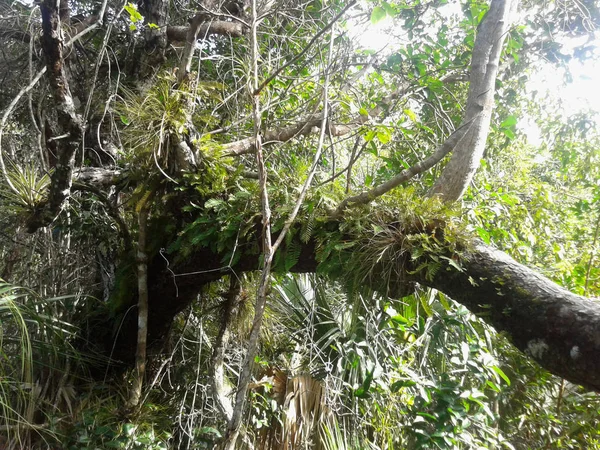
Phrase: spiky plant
(17, 397)
(29, 188)
(37, 365)
(162, 116)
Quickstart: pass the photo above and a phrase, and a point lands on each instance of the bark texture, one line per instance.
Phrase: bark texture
(466, 157)
(557, 328)
(65, 128)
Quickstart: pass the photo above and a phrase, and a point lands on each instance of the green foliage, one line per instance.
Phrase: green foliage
(134, 16)
(220, 225)
(418, 377)
(101, 428)
(160, 117)
(527, 195)
(407, 233)
(35, 344)
(31, 189)
(402, 366)
(16, 374)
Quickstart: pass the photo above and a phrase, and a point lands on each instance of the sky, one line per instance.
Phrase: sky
(581, 94)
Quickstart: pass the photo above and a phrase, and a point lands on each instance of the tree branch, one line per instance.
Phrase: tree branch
(219, 27)
(16, 35)
(217, 370)
(313, 122)
(368, 196)
(555, 327)
(143, 210)
(463, 164)
(68, 122)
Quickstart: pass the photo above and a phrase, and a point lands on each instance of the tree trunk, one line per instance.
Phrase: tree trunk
(467, 155)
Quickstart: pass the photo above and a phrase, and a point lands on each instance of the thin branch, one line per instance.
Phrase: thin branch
(143, 209)
(233, 426)
(313, 169)
(5, 117)
(180, 33)
(217, 370)
(306, 126)
(368, 196)
(303, 52)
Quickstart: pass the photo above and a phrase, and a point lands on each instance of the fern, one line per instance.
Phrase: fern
(432, 269)
(306, 231)
(292, 254)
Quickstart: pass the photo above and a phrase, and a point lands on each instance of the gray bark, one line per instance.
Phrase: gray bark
(557, 328)
(135, 394)
(466, 157)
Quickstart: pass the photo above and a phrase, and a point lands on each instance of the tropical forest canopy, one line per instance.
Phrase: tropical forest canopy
(242, 224)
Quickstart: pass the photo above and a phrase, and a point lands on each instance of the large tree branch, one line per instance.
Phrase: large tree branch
(219, 27)
(99, 176)
(557, 328)
(302, 128)
(466, 158)
(67, 127)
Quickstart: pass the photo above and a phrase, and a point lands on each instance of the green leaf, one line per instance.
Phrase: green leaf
(153, 26)
(400, 319)
(389, 9)
(454, 263)
(129, 429)
(428, 416)
(134, 14)
(397, 385)
(509, 122)
(411, 115)
(484, 235)
(378, 15)
(499, 371)
(384, 136)
(508, 133)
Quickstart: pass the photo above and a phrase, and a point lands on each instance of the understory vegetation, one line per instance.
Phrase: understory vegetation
(246, 248)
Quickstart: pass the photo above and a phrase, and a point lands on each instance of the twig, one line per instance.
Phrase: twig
(233, 426)
(303, 52)
(368, 196)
